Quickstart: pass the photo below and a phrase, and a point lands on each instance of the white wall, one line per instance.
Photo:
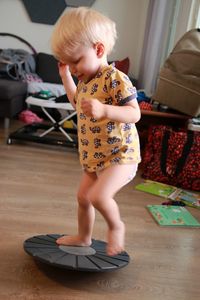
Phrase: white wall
(129, 15)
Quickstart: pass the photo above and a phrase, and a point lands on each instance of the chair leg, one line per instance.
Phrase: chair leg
(6, 123)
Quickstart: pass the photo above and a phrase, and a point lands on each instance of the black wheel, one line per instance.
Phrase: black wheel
(9, 141)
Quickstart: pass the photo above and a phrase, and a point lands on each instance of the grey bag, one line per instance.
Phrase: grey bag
(16, 64)
(179, 79)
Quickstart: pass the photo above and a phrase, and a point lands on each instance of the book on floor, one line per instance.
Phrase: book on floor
(170, 192)
(168, 215)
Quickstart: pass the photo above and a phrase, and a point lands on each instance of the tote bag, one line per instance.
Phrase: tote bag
(172, 157)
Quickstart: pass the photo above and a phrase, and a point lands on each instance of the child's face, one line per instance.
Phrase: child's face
(85, 63)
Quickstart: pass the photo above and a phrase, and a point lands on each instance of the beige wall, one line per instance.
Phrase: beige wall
(129, 15)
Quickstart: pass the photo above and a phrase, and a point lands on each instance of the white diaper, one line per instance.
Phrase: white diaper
(133, 173)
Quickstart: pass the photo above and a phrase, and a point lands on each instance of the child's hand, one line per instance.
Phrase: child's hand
(93, 108)
(63, 70)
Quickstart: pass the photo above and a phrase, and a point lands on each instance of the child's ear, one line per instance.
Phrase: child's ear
(100, 49)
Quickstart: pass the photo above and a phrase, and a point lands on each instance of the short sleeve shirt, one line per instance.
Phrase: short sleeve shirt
(105, 142)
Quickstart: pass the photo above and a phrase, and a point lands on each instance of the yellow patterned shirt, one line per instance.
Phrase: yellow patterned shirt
(105, 142)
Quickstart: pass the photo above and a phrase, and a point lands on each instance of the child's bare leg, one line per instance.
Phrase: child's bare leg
(86, 215)
(111, 180)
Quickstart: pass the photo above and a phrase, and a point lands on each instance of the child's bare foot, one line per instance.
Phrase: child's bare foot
(68, 240)
(116, 240)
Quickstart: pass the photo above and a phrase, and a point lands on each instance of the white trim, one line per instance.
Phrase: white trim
(194, 17)
(183, 19)
(172, 30)
(185, 16)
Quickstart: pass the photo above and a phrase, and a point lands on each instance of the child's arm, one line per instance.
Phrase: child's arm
(68, 83)
(128, 113)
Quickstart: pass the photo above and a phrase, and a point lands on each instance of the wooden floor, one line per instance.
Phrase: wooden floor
(38, 196)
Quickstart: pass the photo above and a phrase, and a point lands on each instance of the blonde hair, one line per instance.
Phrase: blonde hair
(82, 27)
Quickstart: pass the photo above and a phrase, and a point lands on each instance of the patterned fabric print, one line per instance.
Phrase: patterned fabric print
(104, 142)
(189, 176)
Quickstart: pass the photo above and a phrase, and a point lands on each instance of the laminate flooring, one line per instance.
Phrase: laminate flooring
(38, 185)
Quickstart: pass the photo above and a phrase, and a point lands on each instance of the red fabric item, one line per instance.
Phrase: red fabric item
(123, 65)
(172, 157)
(145, 105)
(28, 117)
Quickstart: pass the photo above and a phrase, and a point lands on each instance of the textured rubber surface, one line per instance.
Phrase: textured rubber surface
(92, 259)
